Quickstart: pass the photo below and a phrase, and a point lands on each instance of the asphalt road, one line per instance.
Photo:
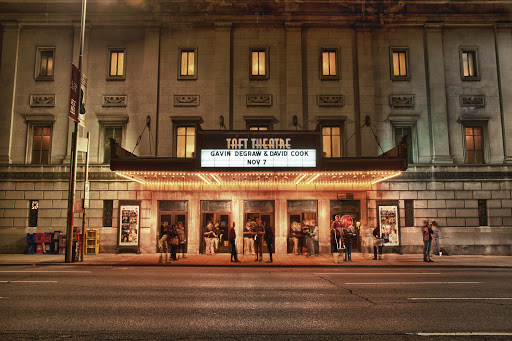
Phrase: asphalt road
(163, 303)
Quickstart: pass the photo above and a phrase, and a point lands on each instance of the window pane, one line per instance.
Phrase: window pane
(396, 67)
(471, 64)
(253, 128)
(191, 63)
(113, 63)
(261, 63)
(184, 62)
(38, 131)
(45, 143)
(478, 142)
(262, 128)
(254, 71)
(327, 146)
(45, 157)
(332, 63)
(180, 146)
(181, 131)
(335, 131)
(471, 156)
(469, 142)
(469, 131)
(191, 131)
(50, 65)
(36, 145)
(190, 146)
(46, 131)
(326, 131)
(336, 146)
(325, 63)
(403, 71)
(120, 63)
(477, 131)
(479, 157)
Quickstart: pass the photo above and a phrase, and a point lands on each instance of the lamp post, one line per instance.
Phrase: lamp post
(72, 171)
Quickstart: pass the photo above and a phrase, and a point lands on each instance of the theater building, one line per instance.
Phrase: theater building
(279, 110)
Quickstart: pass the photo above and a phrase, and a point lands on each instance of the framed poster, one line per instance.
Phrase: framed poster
(388, 218)
(129, 225)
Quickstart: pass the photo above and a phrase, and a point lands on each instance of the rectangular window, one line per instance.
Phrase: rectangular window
(331, 138)
(409, 212)
(400, 132)
(117, 64)
(185, 141)
(259, 63)
(258, 128)
(45, 62)
(482, 212)
(33, 212)
(474, 145)
(329, 64)
(41, 140)
(469, 64)
(108, 208)
(399, 63)
(187, 59)
(114, 132)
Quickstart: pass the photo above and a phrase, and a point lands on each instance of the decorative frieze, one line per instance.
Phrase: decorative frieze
(259, 100)
(330, 100)
(186, 100)
(401, 101)
(114, 100)
(42, 100)
(476, 101)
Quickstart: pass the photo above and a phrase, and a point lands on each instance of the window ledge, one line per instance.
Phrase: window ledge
(44, 118)
(412, 118)
(109, 119)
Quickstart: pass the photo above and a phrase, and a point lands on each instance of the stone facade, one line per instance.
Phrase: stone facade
(434, 102)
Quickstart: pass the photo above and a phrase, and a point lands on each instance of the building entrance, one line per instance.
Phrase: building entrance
(350, 208)
(302, 217)
(258, 209)
(217, 213)
(173, 212)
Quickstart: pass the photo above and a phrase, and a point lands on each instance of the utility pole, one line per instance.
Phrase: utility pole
(74, 152)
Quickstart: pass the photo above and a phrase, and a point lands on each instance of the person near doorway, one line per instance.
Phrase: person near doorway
(181, 238)
(209, 236)
(269, 238)
(296, 234)
(217, 234)
(307, 230)
(427, 241)
(232, 239)
(336, 238)
(174, 241)
(378, 243)
(248, 238)
(315, 238)
(347, 239)
(162, 242)
(258, 240)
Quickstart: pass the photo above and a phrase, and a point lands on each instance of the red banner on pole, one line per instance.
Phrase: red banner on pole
(73, 95)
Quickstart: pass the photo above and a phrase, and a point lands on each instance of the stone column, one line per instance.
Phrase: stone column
(194, 237)
(281, 228)
(150, 74)
(294, 81)
(8, 73)
(504, 51)
(438, 115)
(222, 61)
(324, 225)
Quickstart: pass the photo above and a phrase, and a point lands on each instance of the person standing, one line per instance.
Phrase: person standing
(347, 238)
(336, 238)
(181, 238)
(174, 241)
(163, 243)
(258, 240)
(313, 238)
(378, 243)
(269, 238)
(248, 238)
(209, 236)
(427, 241)
(436, 249)
(232, 239)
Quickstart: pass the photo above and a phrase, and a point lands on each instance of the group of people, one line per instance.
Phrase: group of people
(430, 238)
(172, 239)
(254, 234)
(212, 237)
(304, 235)
(341, 238)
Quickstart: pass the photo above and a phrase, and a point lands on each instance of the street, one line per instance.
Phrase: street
(210, 303)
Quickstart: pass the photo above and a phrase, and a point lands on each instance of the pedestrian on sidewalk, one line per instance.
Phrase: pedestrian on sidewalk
(181, 238)
(336, 238)
(258, 240)
(313, 238)
(435, 239)
(269, 239)
(427, 241)
(378, 243)
(232, 239)
(174, 241)
(347, 239)
(248, 238)
(162, 242)
(209, 236)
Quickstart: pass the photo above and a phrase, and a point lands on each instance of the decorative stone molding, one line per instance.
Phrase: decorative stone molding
(475, 101)
(401, 101)
(258, 100)
(42, 100)
(186, 100)
(114, 100)
(43, 118)
(330, 100)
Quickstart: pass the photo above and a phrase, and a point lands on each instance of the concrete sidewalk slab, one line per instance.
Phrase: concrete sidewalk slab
(279, 260)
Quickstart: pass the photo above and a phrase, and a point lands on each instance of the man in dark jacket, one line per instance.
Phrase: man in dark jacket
(258, 240)
(269, 238)
(232, 238)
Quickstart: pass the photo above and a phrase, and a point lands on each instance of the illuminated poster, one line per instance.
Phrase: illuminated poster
(388, 224)
(129, 226)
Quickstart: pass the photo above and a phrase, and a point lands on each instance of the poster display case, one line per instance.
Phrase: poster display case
(388, 222)
(129, 228)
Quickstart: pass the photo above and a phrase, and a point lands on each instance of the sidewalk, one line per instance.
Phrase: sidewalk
(280, 260)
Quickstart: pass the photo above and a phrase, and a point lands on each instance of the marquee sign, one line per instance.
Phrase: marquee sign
(258, 150)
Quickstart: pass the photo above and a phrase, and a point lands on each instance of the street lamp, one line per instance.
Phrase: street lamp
(72, 172)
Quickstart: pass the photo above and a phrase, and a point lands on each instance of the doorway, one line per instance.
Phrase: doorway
(302, 215)
(259, 209)
(351, 211)
(219, 214)
(173, 212)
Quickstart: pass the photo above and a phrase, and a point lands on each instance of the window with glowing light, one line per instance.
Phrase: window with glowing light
(185, 141)
(41, 142)
(331, 141)
(329, 64)
(187, 63)
(259, 63)
(399, 62)
(45, 63)
(474, 144)
(117, 64)
(469, 64)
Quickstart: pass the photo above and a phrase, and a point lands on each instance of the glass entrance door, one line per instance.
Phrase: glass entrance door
(218, 213)
(302, 216)
(351, 209)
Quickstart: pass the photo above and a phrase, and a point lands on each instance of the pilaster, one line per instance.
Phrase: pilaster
(223, 82)
(503, 53)
(294, 78)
